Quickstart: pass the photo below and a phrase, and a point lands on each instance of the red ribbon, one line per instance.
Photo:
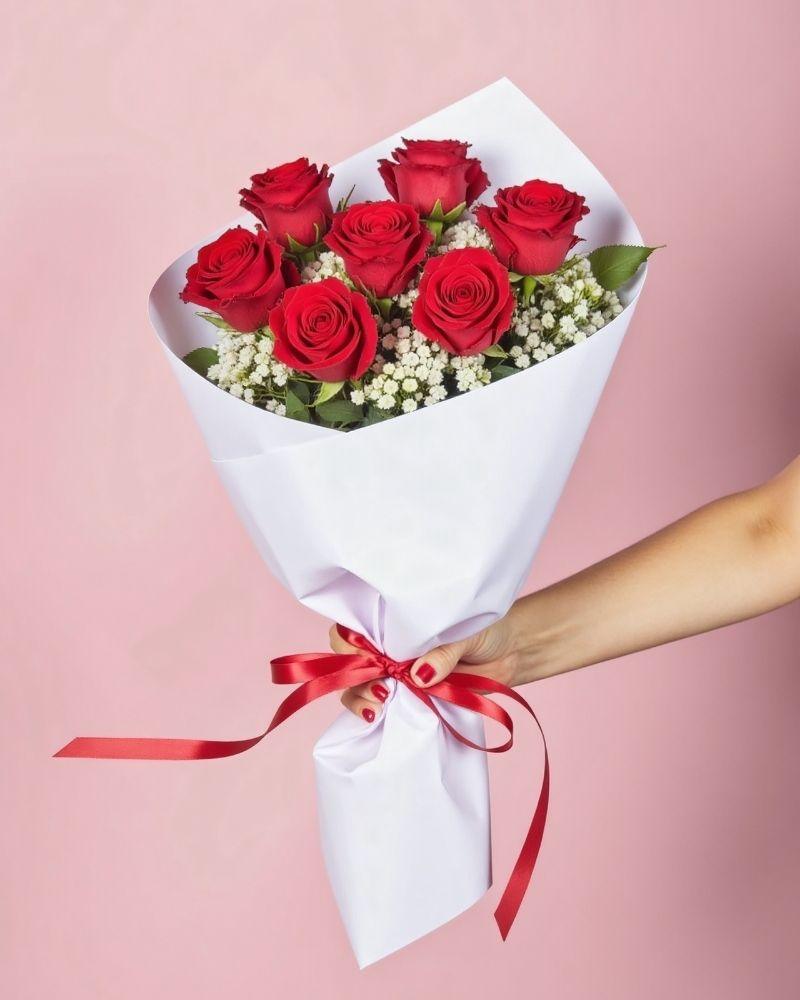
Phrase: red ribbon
(319, 674)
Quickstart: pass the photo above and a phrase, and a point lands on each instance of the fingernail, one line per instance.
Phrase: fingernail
(380, 692)
(368, 714)
(425, 673)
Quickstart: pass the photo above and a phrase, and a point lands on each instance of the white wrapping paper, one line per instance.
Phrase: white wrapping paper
(414, 531)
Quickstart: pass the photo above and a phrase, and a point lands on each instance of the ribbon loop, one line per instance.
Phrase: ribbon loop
(318, 674)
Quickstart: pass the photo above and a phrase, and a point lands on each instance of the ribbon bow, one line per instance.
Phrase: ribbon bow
(318, 674)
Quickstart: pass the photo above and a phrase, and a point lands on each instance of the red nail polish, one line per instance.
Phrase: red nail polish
(425, 673)
(368, 714)
(380, 692)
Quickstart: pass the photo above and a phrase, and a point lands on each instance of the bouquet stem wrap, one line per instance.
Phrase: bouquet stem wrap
(319, 674)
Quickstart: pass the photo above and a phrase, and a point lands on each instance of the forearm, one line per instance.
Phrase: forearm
(736, 558)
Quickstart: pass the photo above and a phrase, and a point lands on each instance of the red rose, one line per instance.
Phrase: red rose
(465, 301)
(240, 276)
(290, 200)
(381, 243)
(430, 170)
(326, 330)
(532, 227)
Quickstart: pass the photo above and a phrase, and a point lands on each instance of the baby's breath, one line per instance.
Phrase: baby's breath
(566, 308)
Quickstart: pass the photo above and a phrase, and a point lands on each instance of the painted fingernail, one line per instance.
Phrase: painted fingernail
(368, 714)
(380, 692)
(425, 673)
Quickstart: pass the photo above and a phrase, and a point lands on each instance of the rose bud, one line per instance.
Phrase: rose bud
(532, 226)
(240, 276)
(292, 200)
(465, 301)
(381, 244)
(430, 170)
(325, 330)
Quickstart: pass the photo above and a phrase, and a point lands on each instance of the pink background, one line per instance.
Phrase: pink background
(135, 604)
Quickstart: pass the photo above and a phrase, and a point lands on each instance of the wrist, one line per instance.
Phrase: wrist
(539, 640)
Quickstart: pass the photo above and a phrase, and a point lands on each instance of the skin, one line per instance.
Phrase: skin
(733, 559)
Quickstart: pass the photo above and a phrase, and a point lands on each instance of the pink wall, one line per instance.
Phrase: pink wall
(136, 605)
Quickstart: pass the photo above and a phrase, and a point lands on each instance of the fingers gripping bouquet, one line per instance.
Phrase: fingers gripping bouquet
(461, 340)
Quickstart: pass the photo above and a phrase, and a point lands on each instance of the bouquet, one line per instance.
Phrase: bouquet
(395, 393)
(396, 304)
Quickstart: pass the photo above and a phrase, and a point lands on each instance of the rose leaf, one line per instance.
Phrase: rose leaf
(503, 371)
(201, 359)
(327, 390)
(296, 408)
(612, 266)
(215, 320)
(340, 411)
(301, 390)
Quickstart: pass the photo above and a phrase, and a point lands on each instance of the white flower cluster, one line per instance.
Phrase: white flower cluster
(327, 265)
(463, 234)
(408, 372)
(247, 369)
(566, 308)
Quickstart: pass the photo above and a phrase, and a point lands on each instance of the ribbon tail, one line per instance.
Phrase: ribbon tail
(462, 689)
(146, 748)
(355, 671)
(520, 877)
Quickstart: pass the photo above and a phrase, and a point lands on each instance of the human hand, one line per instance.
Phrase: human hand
(491, 652)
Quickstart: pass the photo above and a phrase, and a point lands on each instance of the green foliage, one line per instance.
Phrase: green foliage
(201, 359)
(340, 411)
(295, 407)
(295, 247)
(301, 389)
(375, 416)
(344, 202)
(495, 351)
(327, 390)
(612, 266)
(447, 218)
(215, 320)
(503, 371)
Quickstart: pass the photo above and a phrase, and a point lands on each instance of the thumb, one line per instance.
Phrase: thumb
(439, 662)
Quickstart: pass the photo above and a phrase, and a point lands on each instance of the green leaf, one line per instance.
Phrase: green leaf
(343, 202)
(375, 416)
(614, 265)
(453, 214)
(327, 390)
(296, 408)
(201, 359)
(503, 371)
(513, 277)
(340, 411)
(495, 351)
(215, 320)
(301, 390)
